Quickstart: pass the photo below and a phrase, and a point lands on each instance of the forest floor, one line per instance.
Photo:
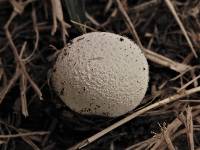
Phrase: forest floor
(32, 32)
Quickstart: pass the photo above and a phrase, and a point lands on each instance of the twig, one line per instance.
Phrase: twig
(187, 84)
(1, 70)
(22, 66)
(25, 138)
(91, 19)
(10, 84)
(58, 14)
(35, 27)
(23, 134)
(83, 25)
(191, 100)
(18, 60)
(165, 133)
(23, 86)
(2, 142)
(144, 6)
(189, 127)
(28, 141)
(129, 23)
(157, 141)
(159, 59)
(54, 26)
(189, 57)
(108, 6)
(173, 11)
(192, 72)
(166, 62)
(19, 6)
(134, 115)
(184, 72)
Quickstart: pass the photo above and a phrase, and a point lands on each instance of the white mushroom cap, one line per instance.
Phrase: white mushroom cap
(101, 73)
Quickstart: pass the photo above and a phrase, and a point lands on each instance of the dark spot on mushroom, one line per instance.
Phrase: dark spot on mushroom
(63, 82)
(74, 63)
(105, 113)
(121, 39)
(136, 60)
(54, 69)
(62, 57)
(69, 46)
(144, 68)
(84, 89)
(140, 89)
(86, 110)
(62, 91)
(87, 40)
(80, 39)
(82, 110)
(97, 58)
(66, 53)
(98, 106)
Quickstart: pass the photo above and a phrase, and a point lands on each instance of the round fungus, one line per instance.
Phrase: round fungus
(101, 73)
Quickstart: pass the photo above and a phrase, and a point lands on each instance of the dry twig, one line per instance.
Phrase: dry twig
(157, 141)
(58, 15)
(23, 87)
(20, 68)
(129, 23)
(22, 135)
(26, 138)
(188, 122)
(144, 5)
(21, 64)
(173, 11)
(166, 136)
(9, 85)
(166, 62)
(187, 84)
(156, 58)
(134, 115)
(84, 26)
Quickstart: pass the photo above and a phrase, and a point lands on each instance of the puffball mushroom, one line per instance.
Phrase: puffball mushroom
(101, 73)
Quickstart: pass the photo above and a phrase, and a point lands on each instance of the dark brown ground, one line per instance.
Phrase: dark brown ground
(158, 31)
